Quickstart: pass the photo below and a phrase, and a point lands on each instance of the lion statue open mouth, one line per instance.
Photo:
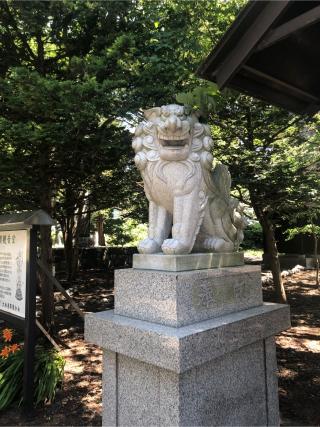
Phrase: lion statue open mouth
(187, 196)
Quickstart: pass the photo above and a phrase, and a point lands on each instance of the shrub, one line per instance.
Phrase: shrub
(49, 369)
(253, 236)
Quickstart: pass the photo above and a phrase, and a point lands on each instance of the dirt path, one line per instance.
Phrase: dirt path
(79, 402)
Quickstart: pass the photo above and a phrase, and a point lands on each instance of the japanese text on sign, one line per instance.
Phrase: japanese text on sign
(13, 256)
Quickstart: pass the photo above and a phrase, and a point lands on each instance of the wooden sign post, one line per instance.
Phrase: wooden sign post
(18, 266)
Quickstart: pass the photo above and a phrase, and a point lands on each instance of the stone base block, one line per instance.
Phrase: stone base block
(181, 298)
(311, 262)
(287, 261)
(219, 372)
(187, 262)
(232, 390)
(189, 348)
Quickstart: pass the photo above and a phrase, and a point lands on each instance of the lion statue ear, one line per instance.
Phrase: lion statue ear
(152, 113)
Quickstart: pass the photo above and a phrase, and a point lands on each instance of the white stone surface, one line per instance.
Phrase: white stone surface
(187, 195)
(181, 298)
(198, 261)
(271, 381)
(180, 349)
(228, 391)
(110, 388)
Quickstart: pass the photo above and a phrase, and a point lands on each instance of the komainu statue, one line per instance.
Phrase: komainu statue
(188, 197)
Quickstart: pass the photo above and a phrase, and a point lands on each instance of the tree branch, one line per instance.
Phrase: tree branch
(4, 5)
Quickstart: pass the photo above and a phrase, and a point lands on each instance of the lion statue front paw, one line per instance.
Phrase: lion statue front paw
(174, 247)
(148, 246)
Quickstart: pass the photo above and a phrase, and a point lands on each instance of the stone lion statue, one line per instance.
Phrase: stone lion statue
(188, 197)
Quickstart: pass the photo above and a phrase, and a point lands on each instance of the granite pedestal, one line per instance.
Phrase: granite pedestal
(189, 348)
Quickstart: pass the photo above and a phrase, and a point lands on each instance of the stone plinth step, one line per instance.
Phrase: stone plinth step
(196, 261)
(181, 349)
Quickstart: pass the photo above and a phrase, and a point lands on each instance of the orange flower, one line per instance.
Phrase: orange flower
(7, 334)
(14, 348)
(5, 352)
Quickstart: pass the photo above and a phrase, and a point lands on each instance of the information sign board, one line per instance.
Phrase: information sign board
(18, 263)
(13, 271)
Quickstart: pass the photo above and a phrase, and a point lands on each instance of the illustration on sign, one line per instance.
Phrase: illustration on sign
(13, 255)
(19, 260)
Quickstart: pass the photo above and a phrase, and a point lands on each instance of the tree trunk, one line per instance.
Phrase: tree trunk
(101, 239)
(70, 230)
(316, 258)
(46, 257)
(68, 249)
(71, 251)
(46, 286)
(75, 255)
(271, 245)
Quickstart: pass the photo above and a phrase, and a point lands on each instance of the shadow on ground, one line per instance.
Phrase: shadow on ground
(298, 352)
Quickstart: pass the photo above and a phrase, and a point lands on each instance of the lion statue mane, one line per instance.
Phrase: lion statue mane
(188, 194)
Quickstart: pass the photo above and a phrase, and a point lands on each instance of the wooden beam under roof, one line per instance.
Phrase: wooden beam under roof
(292, 90)
(262, 91)
(286, 29)
(261, 25)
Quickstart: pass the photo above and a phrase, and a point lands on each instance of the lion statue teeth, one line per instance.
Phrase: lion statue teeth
(188, 197)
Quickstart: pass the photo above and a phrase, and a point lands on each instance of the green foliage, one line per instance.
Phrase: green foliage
(71, 74)
(253, 236)
(203, 99)
(11, 379)
(253, 253)
(122, 230)
(310, 229)
(49, 368)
